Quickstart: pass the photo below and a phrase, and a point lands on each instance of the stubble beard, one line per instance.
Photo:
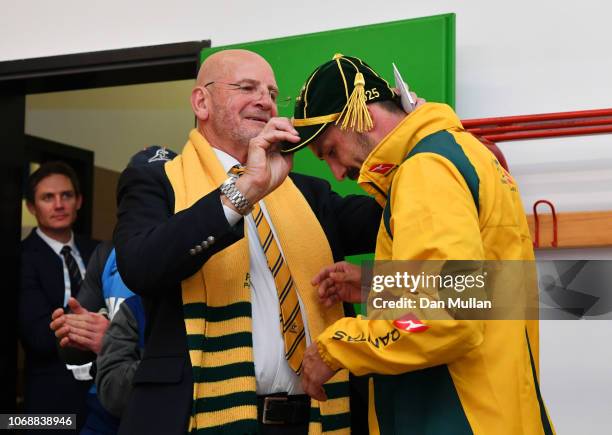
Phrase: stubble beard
(363, 146)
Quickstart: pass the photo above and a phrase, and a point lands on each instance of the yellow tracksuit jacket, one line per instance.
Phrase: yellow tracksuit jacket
(446, 197)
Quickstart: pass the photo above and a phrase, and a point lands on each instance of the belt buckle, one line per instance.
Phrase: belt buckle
(268, 406)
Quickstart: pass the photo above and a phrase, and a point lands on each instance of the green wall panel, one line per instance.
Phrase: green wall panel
(423, 49)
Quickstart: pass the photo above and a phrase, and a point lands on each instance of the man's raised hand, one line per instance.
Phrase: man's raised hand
(266, 167)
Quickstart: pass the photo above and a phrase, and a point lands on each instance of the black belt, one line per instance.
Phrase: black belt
(283, 409)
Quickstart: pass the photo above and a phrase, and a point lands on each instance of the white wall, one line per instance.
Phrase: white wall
(521, 57)
(114, 122)
(517, 57)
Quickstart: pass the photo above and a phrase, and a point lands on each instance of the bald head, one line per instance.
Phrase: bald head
(222, 63)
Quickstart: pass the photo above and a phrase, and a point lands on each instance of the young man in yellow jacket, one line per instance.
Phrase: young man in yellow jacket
(446, 197)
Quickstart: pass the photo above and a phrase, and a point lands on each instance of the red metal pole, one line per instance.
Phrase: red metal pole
(470, 123)
(547, 133)
(541, 126)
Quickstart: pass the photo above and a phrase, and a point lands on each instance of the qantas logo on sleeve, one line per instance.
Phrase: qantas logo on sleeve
(382, 168)
(410, 323)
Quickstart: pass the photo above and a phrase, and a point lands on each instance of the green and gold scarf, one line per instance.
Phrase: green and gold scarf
(217, 304)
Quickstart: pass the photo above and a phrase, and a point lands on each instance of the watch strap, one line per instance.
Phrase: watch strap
(238, 200)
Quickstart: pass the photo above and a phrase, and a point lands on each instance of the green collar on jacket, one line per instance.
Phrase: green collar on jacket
(378, 169)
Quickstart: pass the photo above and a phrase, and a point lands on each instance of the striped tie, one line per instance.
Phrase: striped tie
(237, 170)
(291, 323)
(73, 270)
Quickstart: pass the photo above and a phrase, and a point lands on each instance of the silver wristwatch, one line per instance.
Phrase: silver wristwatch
(238, 200)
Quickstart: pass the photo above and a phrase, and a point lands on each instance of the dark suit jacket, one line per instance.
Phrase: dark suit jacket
(153, 257)
(49, 386)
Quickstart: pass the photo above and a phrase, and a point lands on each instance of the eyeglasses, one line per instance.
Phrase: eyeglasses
(256, 92)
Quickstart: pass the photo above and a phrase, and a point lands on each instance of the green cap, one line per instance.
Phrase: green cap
(337, 91)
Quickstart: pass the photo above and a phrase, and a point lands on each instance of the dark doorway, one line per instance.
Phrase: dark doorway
(59, 73)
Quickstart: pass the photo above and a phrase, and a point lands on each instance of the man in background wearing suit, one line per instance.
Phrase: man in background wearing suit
(53, 264)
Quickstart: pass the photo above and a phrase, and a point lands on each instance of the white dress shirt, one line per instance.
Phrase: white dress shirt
(57, 248)
(80, 372)
(272, 372)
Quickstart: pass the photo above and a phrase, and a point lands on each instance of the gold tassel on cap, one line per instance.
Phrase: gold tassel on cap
(355, 114)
